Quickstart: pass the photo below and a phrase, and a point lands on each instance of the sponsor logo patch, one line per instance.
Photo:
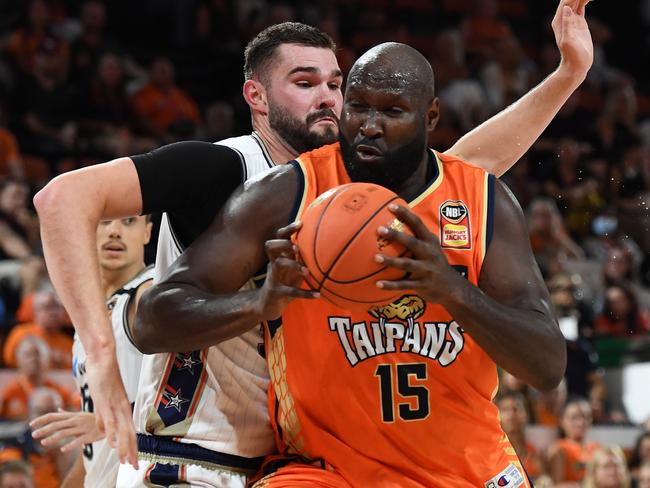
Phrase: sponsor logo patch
(510, 477)
(455, 230)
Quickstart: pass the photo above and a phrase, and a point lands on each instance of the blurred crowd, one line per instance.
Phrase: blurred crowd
(85, 81)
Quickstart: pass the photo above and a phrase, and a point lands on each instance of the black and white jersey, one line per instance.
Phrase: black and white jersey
(216, 397)
(100, 460)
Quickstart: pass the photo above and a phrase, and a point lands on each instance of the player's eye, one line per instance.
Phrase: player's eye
(128, 221)
(303, 84)
(105, 222)
(393, 111)
(334, 86)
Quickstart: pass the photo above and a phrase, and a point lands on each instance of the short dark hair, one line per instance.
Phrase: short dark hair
(261, 50)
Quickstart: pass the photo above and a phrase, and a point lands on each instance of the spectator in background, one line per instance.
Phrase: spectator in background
(11, 164)
(48, 104)
(621, 315)
(33, 364)
(640, 455)
(643, 480)
(49, 320)
(50, 465)
(549, 240)
(512, 411)
(569, 456)
(482, 30)
(24, 42)
(550, 405)
(509, 384)
(105, 129)
(17, 225)
(16, 474)
(219, 122)
(463, 96)
(607, 469)
(508, 75)
(92, 43)
(162, 109)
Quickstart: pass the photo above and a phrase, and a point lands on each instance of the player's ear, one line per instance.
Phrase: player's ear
(255, 96)
(433, 114)
(147, 233)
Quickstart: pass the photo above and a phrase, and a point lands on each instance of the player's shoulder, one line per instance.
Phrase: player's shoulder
(328, 152)
(452, 162)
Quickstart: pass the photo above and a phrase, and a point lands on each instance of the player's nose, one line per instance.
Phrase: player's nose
(371, 126)
(326, 97)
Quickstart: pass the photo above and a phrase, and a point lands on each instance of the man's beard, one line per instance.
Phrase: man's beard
(296, 133)
(398, 165)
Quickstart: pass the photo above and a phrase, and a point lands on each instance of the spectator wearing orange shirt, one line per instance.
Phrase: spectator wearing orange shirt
(32, 354)
(569, 456)
(512, 410)
(50, 465)
(621, 315)
(49, 319)
(164, 110)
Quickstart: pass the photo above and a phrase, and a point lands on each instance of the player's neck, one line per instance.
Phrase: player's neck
(114, 279)
(279, 150)
(414, 184)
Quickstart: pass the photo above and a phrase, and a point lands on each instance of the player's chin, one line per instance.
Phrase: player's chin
(328, 133)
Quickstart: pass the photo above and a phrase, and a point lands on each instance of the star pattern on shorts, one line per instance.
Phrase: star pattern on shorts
(188, 363)
(175, 401)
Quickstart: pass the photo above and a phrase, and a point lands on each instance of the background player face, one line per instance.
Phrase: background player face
(304, 96)
(121, 242)
(382, 133)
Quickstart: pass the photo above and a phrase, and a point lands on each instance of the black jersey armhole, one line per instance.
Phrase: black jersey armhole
(300, 192)
(489, 224)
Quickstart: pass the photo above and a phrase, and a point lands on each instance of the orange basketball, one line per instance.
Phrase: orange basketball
(338, 241)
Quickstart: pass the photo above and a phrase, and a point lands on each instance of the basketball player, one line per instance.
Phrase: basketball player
(293, 96)
(357, 399)
(120, 250)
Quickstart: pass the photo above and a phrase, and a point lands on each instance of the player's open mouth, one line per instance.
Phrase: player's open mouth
(368, 154)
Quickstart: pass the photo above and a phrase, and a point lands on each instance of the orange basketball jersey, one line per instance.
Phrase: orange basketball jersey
(399, 395)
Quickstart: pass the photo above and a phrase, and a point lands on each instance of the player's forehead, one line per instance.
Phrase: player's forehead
(293, 59)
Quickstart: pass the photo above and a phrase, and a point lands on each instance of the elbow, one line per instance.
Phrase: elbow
(553, 366)
(148, 327)
(48, 197)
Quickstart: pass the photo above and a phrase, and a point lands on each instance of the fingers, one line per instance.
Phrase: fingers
(411, 220)
(409, 265)
(290, 291)
(78, 442)
(581, 7)
(280, 247)
(399, 285)
(288, 231)
(47, 419)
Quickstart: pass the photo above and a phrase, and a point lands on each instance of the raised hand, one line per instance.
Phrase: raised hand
(284, 274)
(572, 36)
(72, 429)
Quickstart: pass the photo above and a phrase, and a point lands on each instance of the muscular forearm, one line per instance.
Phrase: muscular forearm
(176, 318)
(527, 343)
(502, 140)
(76, 475)
(71, 255)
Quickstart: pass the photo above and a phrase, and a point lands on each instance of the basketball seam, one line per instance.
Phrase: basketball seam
(361, 278)
(320, 219)
(366, 302)
(350, 241)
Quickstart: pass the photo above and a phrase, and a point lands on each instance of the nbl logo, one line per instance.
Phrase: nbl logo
(454, 211)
